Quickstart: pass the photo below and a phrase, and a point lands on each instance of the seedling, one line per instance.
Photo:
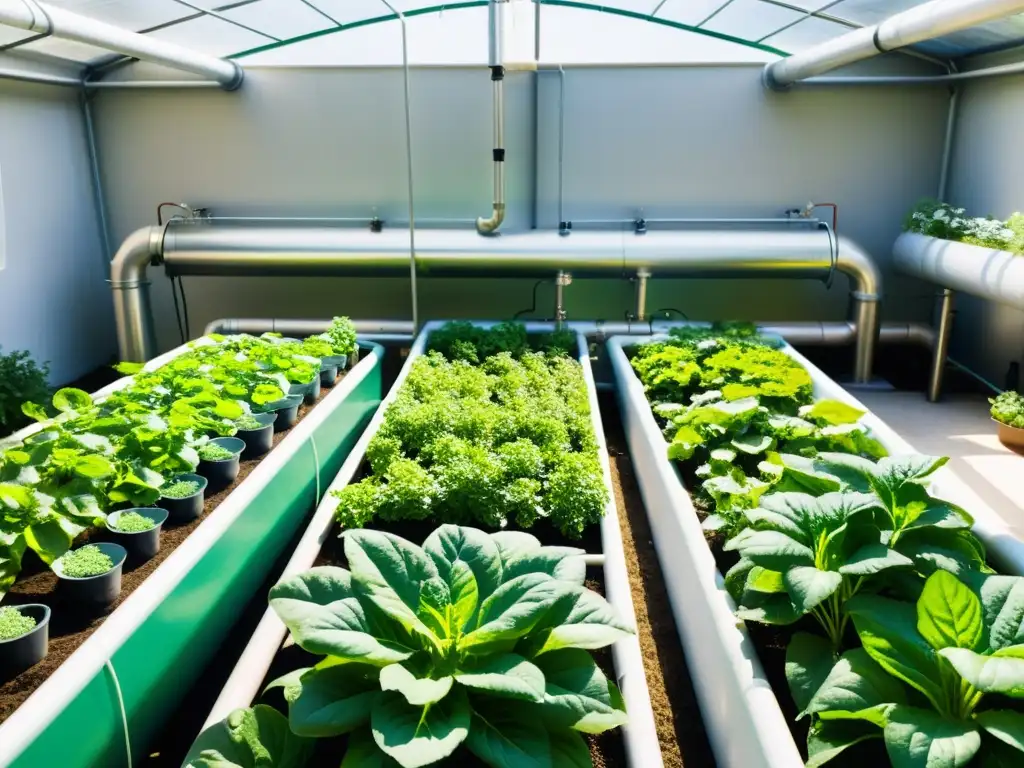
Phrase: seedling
(14, 623)
(85, 562)
(133, 522)
(181, 489)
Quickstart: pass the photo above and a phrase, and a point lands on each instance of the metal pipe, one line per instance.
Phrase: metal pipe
(288, 327)
(35, 77)
(922, 22)
(865, 294)
(949, 79)
(41, 17)
(133, 317)
(562, 279)
(129, 85)
(197, 248)
(97, 183)
(413, 292)
(945, 332)
(496, 59)
(642, 276)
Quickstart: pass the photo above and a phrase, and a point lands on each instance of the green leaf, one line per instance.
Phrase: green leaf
(250, 738)
(325, 617)
(808, 662)
(362, 752)
(892, 472)
(562, 563)
(945, 549)
(70, 400)
(918, 738)
(389, 571)
(514, 544)
(768, 609)
(417, 736)
(808, 587)
(888, 632)
(35, 412)
(1002, 599)
(515, 608)
(827, 740)
(1002, 672)
(762, 580)
(736, 578)
(752, 443)
(856, 688)
(507, 675)
(128, 368)
(804, 473)
(685, 442)
(579, 619)
(48, 539)
(1005, 725)
(852, 471)
(832, 412)
(418, 691)
(577, 693)
(568, 750)
(94, 467)
(451, 544)
(507, 735)
(333, 700)
(949, 614)
(872, 558)
(772, 550)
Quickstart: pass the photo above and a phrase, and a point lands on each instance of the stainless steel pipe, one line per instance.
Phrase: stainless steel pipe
(496, 61)
(190, 248)
(947, 302)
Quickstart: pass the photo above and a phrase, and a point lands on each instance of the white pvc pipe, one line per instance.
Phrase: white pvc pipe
(47, 19)
(984, 272)
(640, 735)
(50, 699)
(922, 22)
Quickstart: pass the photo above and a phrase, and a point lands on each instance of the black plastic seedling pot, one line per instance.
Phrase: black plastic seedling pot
(141, 545)
(313, 393)
(221, 474)
(287, 412)
(258, 441)
(187, 508)
(328, 375)
(20, 653)
(92, 592)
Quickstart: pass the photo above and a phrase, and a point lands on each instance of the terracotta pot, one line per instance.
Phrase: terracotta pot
(1011, 437)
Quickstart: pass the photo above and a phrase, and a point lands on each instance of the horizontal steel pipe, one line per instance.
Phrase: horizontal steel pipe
(196, 249)
(922, 22)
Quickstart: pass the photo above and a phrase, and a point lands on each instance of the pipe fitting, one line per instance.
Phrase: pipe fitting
(136, 339)
(490, 225)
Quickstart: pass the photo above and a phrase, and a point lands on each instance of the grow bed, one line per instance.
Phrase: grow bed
(121, 673)
(635, 745)
(736, 695)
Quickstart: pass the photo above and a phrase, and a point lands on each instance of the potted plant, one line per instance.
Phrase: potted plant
(218, 461)
(183, 497)
(138, 530)
(256, 430)
(91, 575)
(342, 336)
(287, 409)
(1008, 413)
(24, 637)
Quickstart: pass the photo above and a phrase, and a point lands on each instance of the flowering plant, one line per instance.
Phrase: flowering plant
(944, 221)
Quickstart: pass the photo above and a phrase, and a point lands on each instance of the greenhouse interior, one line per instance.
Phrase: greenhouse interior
(511, 383)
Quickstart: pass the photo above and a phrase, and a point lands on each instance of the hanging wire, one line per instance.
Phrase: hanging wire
(177, 312)
(184, 309)
(408, 155)
(124, 714)
(533, 304)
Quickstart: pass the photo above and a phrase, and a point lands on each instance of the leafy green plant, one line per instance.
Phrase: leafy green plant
(474, 640)
(21, 380)
(133, 522)
(934, 680)
(215, 452)
(342, 336)
(944, 221)
(248, 423)
(14, 623)
(487, 443)
(85, 561)
(1008, 408)
(250, 738)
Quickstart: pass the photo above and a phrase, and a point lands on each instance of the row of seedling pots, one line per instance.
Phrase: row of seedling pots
(89, 577)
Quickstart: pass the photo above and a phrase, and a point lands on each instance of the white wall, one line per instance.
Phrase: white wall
(675, 141)
(987, 177)
(54, 300)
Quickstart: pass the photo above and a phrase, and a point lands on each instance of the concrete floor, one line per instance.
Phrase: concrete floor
(958, 427)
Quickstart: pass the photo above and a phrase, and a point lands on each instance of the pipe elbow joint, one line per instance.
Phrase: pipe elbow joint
(128, 267)
(852, 260)
(490, 225)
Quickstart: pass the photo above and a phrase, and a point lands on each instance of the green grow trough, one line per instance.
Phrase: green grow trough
(159, 640)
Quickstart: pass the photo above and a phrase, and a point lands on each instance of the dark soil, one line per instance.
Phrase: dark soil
(69, 627)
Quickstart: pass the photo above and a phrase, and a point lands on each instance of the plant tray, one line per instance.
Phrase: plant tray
(154, 645)
(639, 736)
(744, 721)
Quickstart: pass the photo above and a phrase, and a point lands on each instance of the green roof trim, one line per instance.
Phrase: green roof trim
(478, 3)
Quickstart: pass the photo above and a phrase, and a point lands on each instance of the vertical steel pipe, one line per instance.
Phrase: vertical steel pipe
(942, 337)
(136, 339)
(642, 276)
(496, 61)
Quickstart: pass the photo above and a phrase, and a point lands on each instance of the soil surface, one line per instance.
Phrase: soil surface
(69, 627)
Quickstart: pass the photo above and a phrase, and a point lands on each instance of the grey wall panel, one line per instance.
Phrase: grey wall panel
(54, 299)
(987, 177)
(676, 141)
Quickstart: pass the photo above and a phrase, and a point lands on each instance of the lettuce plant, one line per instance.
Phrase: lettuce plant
(472, 640)
(250, 738)
(947, 222)
(935, 680)
(1008, 408)
(342, 336)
